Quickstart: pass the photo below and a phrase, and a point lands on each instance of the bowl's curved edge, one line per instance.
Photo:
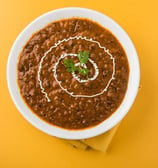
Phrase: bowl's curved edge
(70, 134)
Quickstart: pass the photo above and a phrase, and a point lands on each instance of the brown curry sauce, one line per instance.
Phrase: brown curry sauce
(64, 110)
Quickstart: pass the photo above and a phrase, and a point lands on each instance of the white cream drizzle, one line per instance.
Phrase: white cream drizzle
(74, 75)
(83, 65)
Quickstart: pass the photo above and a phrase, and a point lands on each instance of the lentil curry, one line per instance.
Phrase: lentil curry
(73, 73)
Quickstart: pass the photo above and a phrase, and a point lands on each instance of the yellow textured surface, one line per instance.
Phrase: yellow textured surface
(76, 144)
(100, 142)
(136, 141)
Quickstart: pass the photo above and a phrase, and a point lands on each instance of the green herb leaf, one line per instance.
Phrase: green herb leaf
(83, 72)
(83, 57)
(69, 65)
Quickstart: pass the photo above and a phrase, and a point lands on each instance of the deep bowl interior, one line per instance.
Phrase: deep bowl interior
(109, 24)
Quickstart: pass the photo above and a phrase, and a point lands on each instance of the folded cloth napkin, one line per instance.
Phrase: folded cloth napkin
(99, 143)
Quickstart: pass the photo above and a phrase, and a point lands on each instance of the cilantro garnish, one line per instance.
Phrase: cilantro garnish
(83, 58)
(69, 65)
(83, 72)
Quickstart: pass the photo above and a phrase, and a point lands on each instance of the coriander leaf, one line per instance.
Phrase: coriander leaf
(69, 65)
(68, 62)
(86, 56)
(80, 56)
(69, 69)
(83, 57)
(83, 72)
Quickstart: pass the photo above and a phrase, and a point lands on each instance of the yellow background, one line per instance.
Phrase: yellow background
(135, 144)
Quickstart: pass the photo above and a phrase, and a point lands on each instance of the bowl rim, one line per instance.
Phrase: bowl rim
(115, 118)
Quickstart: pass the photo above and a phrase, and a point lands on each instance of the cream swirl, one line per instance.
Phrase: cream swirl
(73, 74)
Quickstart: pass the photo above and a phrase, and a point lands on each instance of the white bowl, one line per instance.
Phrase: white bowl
(134, 75)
